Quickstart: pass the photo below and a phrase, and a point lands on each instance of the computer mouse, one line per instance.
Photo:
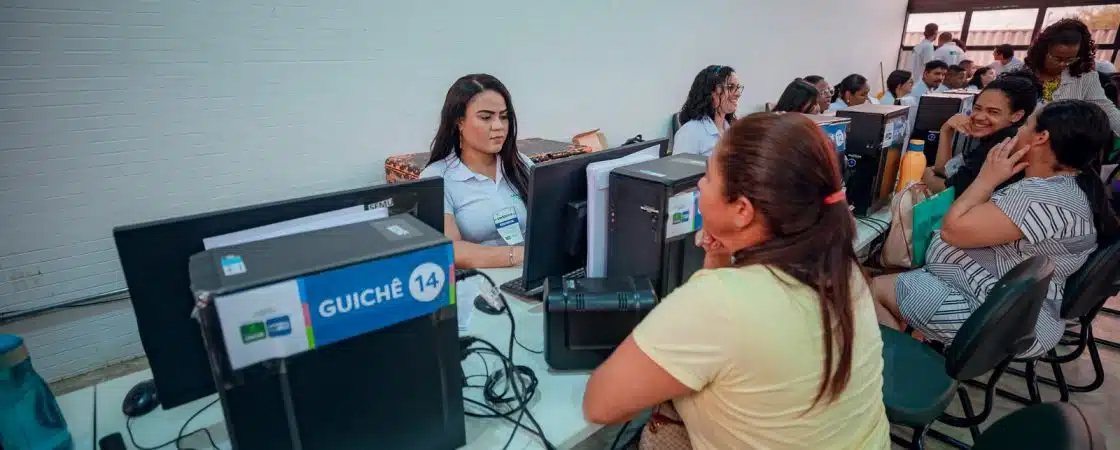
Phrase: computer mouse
(141, 399)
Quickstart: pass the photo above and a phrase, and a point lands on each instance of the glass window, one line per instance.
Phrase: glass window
(1003, 26)
(1106, 55)
(952, 22)
(1101, 17)
(904, 59)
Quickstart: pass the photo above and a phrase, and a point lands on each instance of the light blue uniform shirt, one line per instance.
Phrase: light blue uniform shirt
(474, 199)
(837, 105)
(698, 137)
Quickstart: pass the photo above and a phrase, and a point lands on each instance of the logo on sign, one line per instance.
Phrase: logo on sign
(252, 332)
(278, 326)
(232, 265)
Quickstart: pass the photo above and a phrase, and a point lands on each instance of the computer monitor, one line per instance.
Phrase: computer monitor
(556, 241)
(154, 259)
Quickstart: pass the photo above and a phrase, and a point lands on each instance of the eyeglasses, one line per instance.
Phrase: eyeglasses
(734, 88)
(1062, 61)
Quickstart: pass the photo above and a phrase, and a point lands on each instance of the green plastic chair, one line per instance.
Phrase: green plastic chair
(1085, 294)
(1046, 426)
(919, 383)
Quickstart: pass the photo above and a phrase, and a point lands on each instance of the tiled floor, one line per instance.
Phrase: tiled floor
(1103, 405)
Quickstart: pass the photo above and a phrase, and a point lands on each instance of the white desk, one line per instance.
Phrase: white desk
(77, 408)
(558, 406)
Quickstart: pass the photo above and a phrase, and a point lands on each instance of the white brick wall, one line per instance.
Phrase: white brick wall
(118, 111)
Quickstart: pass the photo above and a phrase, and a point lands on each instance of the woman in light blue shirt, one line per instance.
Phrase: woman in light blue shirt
(485, 177)
(852, 91)
(899, 85)
(708, 111)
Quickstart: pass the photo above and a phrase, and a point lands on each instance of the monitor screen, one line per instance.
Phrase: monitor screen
(556, 243)
(154, 258)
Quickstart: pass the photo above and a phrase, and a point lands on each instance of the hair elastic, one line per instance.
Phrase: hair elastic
(835, 197)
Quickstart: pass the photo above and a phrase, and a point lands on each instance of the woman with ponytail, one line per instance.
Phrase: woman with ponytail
(1060, 210)
(774, 344)
(852, 91)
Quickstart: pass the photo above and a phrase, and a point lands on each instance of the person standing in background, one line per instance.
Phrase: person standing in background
(823, 90)
(1005, 60)
(708, 111)
(947, 50)
(923, 52)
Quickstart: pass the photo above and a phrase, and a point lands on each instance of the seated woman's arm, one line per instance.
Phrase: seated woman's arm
(678, 349)
(974, 220)
(469, 255)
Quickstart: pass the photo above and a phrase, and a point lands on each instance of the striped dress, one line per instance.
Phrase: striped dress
(1057, 222)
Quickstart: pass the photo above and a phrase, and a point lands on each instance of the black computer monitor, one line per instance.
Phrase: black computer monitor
(154, 258)
(557, 227)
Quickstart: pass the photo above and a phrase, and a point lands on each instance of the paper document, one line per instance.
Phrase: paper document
(598, 181)
(330, 219)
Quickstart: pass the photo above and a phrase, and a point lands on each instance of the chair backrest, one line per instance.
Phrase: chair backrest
(1051, 426)
(1089, 287)
(1003, 326)
(674, 125)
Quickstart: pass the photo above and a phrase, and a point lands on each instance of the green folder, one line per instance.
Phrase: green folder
(927, 219)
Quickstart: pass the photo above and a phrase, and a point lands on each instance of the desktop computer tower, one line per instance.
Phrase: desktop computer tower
(875, 145)
(836, 128)
(933, 111)
(653, 219)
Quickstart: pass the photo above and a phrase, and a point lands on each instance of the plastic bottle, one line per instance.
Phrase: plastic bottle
(913, 164)
(29, 415)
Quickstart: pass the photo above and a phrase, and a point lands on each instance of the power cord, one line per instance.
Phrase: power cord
(512, 386)
(179, 437)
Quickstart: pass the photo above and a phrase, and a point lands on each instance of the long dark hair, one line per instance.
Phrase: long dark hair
(1022, 90)
(976, 77)
(786, 167)
(850, 85)
(447, 138)
(896, 79)
(799, 96)
(698, 105)
(1067, 31)
(1080, 136)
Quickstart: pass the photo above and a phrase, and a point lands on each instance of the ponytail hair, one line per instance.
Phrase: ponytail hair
(1079, 137)
(850, 84)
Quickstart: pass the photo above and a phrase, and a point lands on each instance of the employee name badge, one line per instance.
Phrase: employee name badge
(505, 220)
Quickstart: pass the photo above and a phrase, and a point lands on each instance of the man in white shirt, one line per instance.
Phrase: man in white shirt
(948, 50)
(1005, 60)
(923, 52)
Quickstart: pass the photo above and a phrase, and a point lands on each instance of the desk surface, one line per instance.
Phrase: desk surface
(558, 408)
(77, 408)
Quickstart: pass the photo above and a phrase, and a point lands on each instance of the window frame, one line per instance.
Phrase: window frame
(968, 7)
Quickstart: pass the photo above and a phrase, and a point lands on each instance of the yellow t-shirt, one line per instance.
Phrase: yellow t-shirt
(750, 345)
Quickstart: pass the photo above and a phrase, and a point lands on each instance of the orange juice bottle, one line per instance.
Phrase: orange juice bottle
(913, 164)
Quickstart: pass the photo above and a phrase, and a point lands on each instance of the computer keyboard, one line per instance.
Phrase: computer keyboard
(516, 286)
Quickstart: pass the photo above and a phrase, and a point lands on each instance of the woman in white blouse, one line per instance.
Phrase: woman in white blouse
(485, 177)
(708, 111)
(1063, 58)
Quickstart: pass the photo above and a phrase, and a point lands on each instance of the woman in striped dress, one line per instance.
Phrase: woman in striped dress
(1059, 210)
